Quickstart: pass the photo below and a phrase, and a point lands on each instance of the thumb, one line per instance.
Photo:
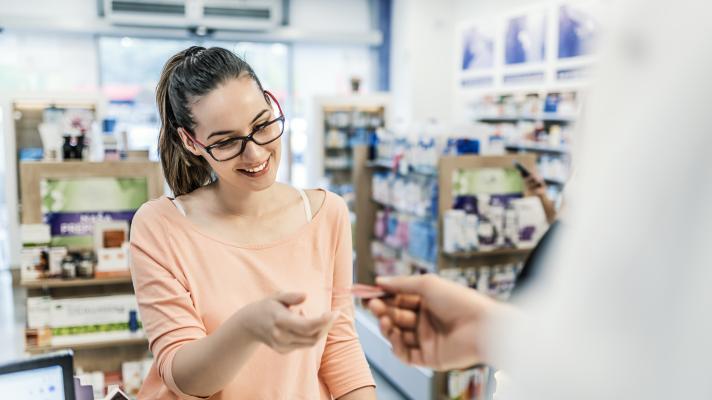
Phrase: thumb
(404, 284)
(290, 298)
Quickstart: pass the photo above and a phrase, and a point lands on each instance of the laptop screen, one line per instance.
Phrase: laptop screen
(35, 384)
(45, 377)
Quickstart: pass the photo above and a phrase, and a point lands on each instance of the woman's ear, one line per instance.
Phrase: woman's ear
(188, 142)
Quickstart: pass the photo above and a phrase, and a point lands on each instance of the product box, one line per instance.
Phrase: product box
(132, 375)
(91, 311)
(56, 254)
(531, 221)
(34, 263)
(111, 247)
(35, 234)
(38, 312)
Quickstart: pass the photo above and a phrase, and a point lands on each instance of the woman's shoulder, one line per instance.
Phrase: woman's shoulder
(151, 213)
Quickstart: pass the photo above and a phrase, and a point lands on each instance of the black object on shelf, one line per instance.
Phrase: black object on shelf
(73, 147)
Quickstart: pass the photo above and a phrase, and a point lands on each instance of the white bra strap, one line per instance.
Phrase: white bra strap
(307, 205)
(179, 206)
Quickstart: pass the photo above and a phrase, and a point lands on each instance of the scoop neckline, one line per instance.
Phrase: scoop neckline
(176, 215)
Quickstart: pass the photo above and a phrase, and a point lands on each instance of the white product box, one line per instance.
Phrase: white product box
(34, 262)
(113, 261)
(56, 254)
(34, 234)
(91, 310)
(38, 312)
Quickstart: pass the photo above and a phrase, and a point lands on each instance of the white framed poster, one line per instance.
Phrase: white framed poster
(525, 38)
(578, 29)
(478, 47)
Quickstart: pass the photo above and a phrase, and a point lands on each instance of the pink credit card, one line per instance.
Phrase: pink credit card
(362, 291)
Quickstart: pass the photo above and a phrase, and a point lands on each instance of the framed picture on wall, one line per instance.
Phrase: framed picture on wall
(578, 29)
(525, 38)
(478, 47)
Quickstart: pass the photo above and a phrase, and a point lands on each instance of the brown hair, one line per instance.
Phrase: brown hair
(187, 76)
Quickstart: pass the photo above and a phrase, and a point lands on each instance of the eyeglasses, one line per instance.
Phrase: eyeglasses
(262, 134)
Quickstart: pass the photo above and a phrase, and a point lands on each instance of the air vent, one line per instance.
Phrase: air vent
(226, 12)
(147, 8)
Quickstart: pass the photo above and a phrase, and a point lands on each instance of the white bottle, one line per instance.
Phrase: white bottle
(472, 240)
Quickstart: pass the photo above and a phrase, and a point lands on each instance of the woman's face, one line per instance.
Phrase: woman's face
(236, 108)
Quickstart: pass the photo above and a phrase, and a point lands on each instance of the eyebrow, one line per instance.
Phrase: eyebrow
(218, 133)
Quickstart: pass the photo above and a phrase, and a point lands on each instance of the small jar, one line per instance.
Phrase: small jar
(69, 268)
(85, 267)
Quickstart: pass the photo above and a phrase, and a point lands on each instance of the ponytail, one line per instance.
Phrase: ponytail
(186, 76)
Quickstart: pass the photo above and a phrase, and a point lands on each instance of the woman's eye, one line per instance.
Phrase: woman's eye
(226, 142)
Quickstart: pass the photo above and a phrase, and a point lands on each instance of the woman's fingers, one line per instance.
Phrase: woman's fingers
(304, 326)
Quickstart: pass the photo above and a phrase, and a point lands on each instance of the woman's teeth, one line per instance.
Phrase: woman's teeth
(258, 168)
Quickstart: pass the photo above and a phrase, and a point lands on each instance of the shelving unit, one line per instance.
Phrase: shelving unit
(366, 208)
(95, 351)
(342, 123)
(23, 132)
(106, 353)
(422, 383)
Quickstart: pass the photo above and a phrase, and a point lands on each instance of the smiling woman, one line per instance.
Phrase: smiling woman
(236, 272)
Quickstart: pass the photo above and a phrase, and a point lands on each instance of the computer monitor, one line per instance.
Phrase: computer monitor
(46, 377)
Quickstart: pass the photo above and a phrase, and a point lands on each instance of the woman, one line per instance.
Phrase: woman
(240, 280)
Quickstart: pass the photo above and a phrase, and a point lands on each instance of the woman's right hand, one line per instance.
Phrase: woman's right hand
(272, 321)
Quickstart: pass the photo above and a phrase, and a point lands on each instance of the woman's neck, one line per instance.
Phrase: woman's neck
(236, 202)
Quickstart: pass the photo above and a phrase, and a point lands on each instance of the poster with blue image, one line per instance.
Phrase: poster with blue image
(578, 29)
(525, 38)
(478, 48)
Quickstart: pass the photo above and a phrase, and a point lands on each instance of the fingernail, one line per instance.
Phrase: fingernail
(383, 279)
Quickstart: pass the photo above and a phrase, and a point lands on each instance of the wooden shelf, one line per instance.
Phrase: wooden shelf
(491, 253)
(64, 283)
(90, 345)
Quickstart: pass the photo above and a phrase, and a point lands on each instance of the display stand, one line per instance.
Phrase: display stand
(104, 351)
(421, 383)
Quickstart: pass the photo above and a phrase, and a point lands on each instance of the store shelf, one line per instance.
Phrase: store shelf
(64, 283)
(491, 253)
(341, 168)
(547, 117)
(536, 147)
(380, 164)
(127, 341)
(413, 169)
(401, 211)
(431, 267)
(554, 181)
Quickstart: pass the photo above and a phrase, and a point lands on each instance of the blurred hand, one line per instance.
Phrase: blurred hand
(273, 323)
(534, 186)
(433, 322)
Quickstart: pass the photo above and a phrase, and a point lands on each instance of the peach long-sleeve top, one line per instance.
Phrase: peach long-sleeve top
(189, 282)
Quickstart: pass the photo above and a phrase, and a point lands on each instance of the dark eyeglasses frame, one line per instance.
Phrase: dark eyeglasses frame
(243, 139)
